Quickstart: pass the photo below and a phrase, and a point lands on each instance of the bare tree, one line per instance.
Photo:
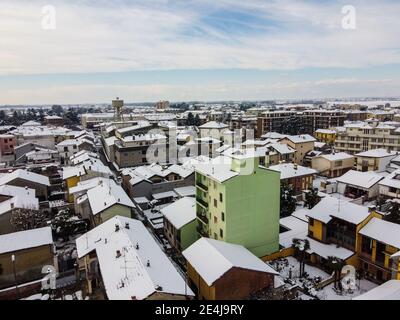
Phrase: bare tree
(26, 219)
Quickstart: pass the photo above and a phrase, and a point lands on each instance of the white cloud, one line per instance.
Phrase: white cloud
(104, 36)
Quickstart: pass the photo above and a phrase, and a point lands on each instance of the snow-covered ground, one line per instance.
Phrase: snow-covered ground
(289, 274)
(328, 292)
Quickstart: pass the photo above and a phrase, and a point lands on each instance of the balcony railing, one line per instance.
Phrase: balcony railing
(203, 218)
(203, 232)
(202, 186)
(202, 202)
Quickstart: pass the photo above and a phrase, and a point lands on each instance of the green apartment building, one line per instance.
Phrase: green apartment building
(237, 201)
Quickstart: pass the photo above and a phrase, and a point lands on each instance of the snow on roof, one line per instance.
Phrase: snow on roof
(301, 138)
(290, 170)
(327, 250)
(12, 242)
(376, 153)
(337, 156)
(86, 185)
(163, 195)
(24, 175)
(8, 190)
(392, 180)
(82, 156)
(110, 140)
(330, 207)
(107, 194)
(183, 172)
(364, 180)
(30, 124)
(185, 191)
(129, 277)
(136, 126)
(19, 202)
(389, 290)
(382, 231)
(282, 148)
(219, 169)
(212, 259)
(273, 135)
(297, 228)
(301, 214)
(181, 212)
(76, 171)
(252, 142)
(53, 118)
(325, 131)
(319, 145)
(214, 125)
(140, 200)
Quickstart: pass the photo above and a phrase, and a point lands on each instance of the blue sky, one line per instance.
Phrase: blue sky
(196, 50)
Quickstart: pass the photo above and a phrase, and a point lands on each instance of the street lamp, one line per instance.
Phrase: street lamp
(15, 275)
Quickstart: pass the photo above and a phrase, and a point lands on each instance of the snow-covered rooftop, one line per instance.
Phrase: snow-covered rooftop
(382, 231)
(301, 138)
(212, 259)
(290, 170)
(107, 194)
(282, 148)
(219, 169)
(330, 207)
(337, 156)
(325, 131)
(389, 290)
(185, 191)
(24, 175)
(86, 185)
(376, 153)
(214, 125)
(181, 212)
(392, 180)
(364, 180)
(142, 268)
(12, 242)
(328, 250)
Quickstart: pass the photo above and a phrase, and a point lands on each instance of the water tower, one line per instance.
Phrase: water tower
(117, 105)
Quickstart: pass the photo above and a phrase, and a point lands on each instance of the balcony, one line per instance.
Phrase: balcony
(203, 203)
(202, 231)
(202, 217)
(201, 186)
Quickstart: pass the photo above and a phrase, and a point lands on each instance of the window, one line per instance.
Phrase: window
(222, 216)
(220, 197)
(66, 149)
(338, 163)
(366, 245)
(221, 233)
(215, 203)
(215, 220)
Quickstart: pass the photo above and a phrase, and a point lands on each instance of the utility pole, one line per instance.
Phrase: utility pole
(15, 276)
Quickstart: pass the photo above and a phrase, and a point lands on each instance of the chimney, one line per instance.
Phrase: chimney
(148, 263)
(127, 223)
(116, 228)
(137, 246)
(118, 254)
